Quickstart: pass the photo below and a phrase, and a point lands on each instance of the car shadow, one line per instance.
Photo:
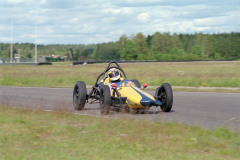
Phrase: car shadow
(152, 112)
(87, 109)
(141, 111)
(117, 110)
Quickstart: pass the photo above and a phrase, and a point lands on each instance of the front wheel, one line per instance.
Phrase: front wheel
(105, 100)
(165, 95)
(79, 95)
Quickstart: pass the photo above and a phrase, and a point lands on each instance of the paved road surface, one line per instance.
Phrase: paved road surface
(209, 110)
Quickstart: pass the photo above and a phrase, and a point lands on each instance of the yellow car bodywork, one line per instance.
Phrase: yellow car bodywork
(136, 98)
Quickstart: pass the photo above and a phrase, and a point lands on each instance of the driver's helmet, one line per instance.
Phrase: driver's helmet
(113, 74)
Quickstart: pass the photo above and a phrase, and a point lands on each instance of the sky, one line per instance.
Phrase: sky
(99, 21)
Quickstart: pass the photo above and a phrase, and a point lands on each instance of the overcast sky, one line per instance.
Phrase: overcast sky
(97, 21)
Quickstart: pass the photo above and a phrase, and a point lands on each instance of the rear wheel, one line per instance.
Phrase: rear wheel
(79, 95)
(136, 82)
(105, 100)
(165, 95)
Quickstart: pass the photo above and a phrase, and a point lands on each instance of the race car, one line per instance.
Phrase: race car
(122, 93)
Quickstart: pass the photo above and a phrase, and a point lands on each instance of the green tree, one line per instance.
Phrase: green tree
(141, 46)
(107, 51)
(161, 42)
(156, 42)
(130, 51)
(201, 41)
(121, 44)
(149, 39)
(175, 42)
(166, 43)
(29, 55)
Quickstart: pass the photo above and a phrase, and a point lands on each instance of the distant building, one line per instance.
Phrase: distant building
(55, 56)
(17, 58)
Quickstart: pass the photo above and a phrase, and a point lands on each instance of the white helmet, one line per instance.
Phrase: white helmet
(113, 74)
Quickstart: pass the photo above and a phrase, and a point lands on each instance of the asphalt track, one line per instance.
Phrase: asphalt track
(209, 110)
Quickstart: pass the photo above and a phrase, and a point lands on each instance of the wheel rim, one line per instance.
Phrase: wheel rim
(163, 97)
(76, 97)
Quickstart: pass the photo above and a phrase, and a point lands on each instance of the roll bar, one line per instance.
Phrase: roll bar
(106, 70)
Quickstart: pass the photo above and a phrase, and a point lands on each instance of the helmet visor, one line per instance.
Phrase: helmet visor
(114, 74)
(111, 75)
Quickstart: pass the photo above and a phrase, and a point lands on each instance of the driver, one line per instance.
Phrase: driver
(114, 75)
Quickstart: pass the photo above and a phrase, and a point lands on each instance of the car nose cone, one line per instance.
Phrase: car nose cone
(145, 101)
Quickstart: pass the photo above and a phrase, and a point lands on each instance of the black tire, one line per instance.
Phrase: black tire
(105, 100)
(136, 82)
(79, 95)
(165, 95)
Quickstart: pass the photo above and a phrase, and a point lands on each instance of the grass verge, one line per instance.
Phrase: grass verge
(31, 134)
(196, 74)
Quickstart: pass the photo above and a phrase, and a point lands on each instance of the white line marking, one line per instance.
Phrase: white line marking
(231, 119)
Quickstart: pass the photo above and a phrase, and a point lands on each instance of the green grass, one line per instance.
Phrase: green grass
(31, 134)
(205, 74)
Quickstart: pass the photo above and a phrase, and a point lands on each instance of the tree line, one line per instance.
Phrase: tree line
(159, 46)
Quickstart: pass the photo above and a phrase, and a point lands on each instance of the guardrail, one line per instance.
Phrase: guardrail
(105, 61)
(26, 63)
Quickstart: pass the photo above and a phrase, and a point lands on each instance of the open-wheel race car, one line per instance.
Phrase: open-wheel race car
(113, 89)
